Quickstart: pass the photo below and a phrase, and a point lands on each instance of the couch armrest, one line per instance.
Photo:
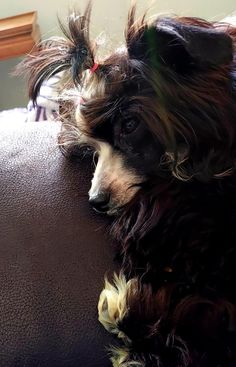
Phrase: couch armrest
(53, 254)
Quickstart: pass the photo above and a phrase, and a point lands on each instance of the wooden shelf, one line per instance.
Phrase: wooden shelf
(18, 35)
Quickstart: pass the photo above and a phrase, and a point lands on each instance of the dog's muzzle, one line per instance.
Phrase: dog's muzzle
(113, 183)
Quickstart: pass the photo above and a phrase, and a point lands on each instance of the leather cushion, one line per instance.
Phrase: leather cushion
(54, 252)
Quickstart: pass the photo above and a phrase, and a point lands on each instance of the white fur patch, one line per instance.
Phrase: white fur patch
(112, 305)
(120, 358)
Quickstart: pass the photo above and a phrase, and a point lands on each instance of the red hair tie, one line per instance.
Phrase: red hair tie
(94, 68)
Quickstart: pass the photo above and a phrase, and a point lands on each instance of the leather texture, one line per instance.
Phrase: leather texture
(54, 252)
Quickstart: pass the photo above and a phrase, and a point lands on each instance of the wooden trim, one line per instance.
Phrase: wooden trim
(18, 35)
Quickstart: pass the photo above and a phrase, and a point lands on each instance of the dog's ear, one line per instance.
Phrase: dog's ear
(73, 52)
(178, 44)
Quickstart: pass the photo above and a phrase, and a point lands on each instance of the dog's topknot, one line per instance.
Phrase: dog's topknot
(74, 53)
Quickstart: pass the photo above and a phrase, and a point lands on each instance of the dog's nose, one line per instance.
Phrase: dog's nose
(100, 202)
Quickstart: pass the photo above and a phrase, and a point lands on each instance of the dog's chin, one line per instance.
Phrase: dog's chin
(117, 207)
(114, 211)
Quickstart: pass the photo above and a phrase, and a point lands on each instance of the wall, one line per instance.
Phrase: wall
(108, 16)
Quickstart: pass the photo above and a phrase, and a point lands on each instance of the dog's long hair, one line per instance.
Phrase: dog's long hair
(177, 233)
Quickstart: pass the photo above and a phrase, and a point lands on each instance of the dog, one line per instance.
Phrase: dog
(159, 117)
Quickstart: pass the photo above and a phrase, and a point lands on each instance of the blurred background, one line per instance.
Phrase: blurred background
(109, 17)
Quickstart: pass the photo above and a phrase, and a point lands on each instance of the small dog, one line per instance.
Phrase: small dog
(160, 115)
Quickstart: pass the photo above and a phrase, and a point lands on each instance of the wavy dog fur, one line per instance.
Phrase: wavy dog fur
(175, 306)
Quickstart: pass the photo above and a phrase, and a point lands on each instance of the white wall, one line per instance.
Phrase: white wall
(108, 16)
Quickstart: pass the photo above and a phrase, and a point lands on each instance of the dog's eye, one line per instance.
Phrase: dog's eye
(86, 150)
(81, 151)
(128, 126)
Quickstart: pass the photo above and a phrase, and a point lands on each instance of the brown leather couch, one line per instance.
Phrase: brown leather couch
(54, 252)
